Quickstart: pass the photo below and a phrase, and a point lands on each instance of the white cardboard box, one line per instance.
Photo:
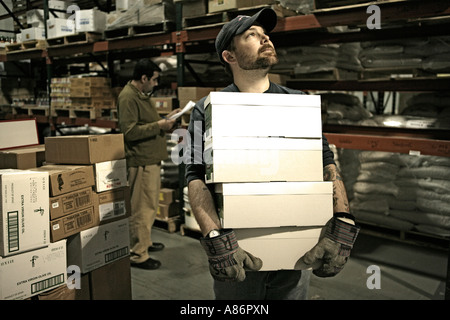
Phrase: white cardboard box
(110, 175)
(59, 5)
(274, 204)
(98, 246)
(235, 114)
(252, 159)
(57, 27)
(18, 133)
(24, 209)
(35, 18)
(33, 272)
(279, 248)
(91, 20)
(33, 33)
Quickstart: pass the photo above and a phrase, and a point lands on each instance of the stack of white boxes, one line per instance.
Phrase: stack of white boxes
(263, 152)
(58, 23)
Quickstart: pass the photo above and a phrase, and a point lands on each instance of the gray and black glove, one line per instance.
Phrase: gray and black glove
(333, 250)
(227, 261)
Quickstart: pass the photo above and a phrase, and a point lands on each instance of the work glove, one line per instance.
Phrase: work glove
(227, 261)
(332, 251)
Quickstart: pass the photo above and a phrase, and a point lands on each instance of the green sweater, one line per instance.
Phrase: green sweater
(145, 142)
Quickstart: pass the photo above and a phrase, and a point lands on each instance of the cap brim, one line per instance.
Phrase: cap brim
(266, 17)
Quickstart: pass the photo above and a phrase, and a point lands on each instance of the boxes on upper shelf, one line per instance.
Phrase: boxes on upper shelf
(84, 149)
(57, 27)
(91, 20)
(274, 204)
(24, 205)
(262, 115)
(33, 272)
(253, 159)
(279, 248)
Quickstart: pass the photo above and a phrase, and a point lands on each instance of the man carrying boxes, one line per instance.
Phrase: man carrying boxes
(242, 193)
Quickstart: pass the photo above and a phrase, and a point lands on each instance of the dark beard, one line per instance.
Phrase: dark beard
(260, 63)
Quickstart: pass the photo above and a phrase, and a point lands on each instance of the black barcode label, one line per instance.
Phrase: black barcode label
(119, 208)
(83, 201)
(47, 283)
(84, 219)
(116, 254)
(13, 231)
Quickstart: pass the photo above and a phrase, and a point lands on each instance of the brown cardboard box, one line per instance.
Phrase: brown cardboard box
(166, 211)
(73, 223)
(22, 158)
(112, 205)
(90, 81)
(66, 178)
(70, 202)
(166, 196)
(111, 281)
(84, 149)
(193, 93)
(64, 293)
(162, 104)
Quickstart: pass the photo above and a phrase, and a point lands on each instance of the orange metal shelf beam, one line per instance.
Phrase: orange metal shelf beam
(390, 144)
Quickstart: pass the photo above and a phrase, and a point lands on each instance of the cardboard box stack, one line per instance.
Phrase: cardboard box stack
(140, 13)
(58, 24)
(169, 205)
(30, 264)
(268, 173)
(90, 206)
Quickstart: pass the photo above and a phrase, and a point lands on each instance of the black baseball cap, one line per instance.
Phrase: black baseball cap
(266, 17)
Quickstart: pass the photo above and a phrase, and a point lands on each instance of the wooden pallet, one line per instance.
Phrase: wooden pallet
(82, 112)
(31, 110)
(26, 45)
(135, 30)
(410, 237)
(170, 224)
(219, 18)
(78, 38)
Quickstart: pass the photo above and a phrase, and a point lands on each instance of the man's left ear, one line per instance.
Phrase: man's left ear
(228, 56)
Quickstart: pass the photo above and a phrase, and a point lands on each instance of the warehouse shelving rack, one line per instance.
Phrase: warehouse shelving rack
(419, 18)
(400, 19)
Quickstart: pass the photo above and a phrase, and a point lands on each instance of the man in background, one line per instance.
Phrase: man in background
(144, 133)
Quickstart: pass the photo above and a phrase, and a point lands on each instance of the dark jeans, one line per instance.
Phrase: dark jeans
(266, 285)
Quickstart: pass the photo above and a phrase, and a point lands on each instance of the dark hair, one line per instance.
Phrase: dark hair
(145, 67)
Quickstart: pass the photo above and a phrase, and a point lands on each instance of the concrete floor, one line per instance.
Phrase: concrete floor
(407, 272)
